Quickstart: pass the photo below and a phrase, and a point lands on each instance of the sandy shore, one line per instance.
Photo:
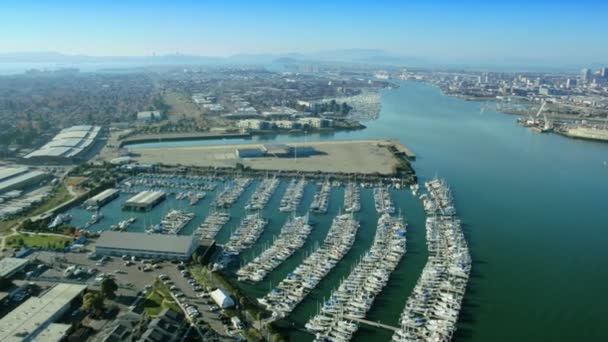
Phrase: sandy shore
(360, 156)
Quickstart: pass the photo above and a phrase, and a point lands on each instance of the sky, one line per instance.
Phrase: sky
(564, 31)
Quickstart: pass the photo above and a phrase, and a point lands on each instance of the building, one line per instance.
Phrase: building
(102, 198)
(249, 153)
(149, 116)
(149, 246)
(570, 83)
(222, 298)
(316, 122)
(34, 319)
(69, 145)
(585, 76)
(18, 178)
(10, 266)
(253, 124)
(144, 200)
(277, 150)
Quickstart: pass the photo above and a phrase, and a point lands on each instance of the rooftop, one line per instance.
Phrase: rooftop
(145, 197)
(35, 312)
(9, 265)
(145, 242)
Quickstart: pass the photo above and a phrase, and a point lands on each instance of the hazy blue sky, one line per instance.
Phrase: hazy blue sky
(554, 30)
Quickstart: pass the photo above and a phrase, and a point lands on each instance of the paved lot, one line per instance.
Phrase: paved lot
(131, 280)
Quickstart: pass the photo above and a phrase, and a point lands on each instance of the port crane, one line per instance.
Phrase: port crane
(547, 126)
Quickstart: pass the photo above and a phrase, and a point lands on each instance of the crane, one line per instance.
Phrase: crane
(547, 126)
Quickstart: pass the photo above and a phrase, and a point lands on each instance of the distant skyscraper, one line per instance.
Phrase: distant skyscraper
(570, 83)
(585, 75)
(604, 72)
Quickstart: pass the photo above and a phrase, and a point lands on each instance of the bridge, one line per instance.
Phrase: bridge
(372, 323)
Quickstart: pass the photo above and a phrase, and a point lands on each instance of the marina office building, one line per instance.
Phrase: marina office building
(149, 246)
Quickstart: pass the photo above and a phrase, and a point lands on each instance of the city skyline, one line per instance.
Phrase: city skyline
(471, 31)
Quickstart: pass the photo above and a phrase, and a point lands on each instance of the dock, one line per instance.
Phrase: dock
(401, 150)
(372, 323)
(144, 201)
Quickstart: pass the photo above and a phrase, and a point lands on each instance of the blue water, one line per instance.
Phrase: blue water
(534, 210)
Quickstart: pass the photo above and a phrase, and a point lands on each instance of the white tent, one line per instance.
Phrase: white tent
(222, 298)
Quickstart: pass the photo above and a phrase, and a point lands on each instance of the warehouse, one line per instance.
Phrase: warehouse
(68, 145)
(37, 314)
(144, 200)
(19, 178)
(102, 198)
(150, 246)
(249, 153)
(10, 266)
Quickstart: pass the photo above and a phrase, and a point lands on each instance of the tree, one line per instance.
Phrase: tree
(108, 288)
(92, 302)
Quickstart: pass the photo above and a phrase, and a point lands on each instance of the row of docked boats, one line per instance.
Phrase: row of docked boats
(293, 195)
(232, 192)
(320, 201)
(246, 234)
(123, 225)
(292, 237)
(212, 224)
(149, 180)
(296, 286)
(355, 294)
(383, 201)
(352, 198)
(262, 194)
(193, 197)
(173, 222)
(431, 312)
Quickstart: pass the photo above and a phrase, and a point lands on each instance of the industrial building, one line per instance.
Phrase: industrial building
(249, 153)
(34, 319)
(10, 266)
(150, 246)
(17, 178)
(67, 146)
(102, 198)
(144, 200)
(149, 116)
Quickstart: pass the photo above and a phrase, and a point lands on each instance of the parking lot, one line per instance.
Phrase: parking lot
(131, 278)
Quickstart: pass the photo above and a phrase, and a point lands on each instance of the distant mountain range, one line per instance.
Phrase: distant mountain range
(373, 57)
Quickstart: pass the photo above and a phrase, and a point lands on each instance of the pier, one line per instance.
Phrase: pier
(372, 323)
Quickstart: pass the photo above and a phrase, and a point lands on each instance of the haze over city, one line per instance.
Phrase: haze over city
(471, 31)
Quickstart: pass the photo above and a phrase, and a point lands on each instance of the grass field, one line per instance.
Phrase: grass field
(59, 196)
(181, 106)
(34, 240)
(158, 299)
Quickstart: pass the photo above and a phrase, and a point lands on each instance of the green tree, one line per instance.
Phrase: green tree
(92, 302)
(108, 288)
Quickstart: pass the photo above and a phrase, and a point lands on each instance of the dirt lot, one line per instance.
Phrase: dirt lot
(361, 156)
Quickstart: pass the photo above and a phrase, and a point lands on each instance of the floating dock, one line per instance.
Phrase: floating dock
(144, 200)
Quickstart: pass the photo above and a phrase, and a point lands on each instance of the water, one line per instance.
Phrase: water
(533, 208)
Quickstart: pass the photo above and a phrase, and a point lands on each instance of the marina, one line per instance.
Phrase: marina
(245, 235)
(355, 295)
(293, 195)
(232, 192)
(321, 200)
(290, 291)
(292, 237)
(264, 191)
(384, 203)
(172, 223)
(352, 198)
(212, 225)
(431, 312)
